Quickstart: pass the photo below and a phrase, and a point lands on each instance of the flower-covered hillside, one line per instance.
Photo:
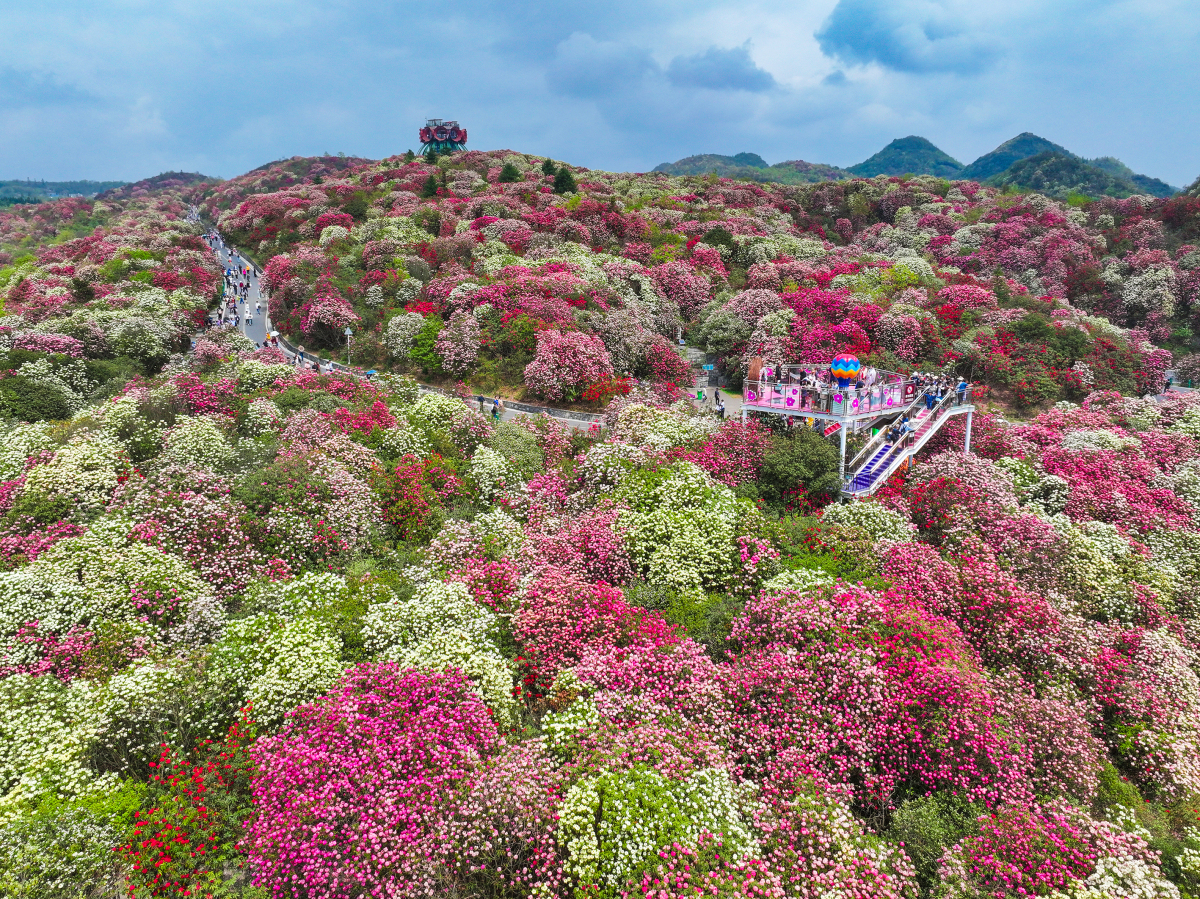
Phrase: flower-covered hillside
(267, 632)
(96, 292)
(485, 264)
(582, 664)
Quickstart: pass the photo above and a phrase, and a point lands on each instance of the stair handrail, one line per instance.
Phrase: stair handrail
(917, 400)
(912, 442)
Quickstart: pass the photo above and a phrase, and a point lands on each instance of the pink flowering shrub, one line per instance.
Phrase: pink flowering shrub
(1023, 851)
(562, 616)
(458, 343)
(590, 545)
(362, 780)
(566, 362)
(907, 703)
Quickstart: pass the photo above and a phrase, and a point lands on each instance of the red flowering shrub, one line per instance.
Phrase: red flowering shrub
(363, 779)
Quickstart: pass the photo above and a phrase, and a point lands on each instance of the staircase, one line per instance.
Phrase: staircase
(880, 458)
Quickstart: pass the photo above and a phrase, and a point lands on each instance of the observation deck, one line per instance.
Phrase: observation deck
(907, 414)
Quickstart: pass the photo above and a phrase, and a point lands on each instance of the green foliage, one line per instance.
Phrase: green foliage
(519, 447)
(63, 849)
(30, 400)
(357, 206)
(509, 174)
(429, 188)
(706, 617)
(548, 167)
(927, 826)
(41, 507)
(803, 460)
(810, 544)
(424, 350)
(564, 182)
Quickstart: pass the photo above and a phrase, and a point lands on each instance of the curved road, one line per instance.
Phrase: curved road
(257, 330)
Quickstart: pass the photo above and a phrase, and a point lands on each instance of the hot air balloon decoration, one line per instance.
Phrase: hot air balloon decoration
(442, 137)
(844, 368)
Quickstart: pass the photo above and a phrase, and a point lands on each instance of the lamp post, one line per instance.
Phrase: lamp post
(348, 334)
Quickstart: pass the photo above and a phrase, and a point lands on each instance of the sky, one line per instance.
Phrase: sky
(125, 89)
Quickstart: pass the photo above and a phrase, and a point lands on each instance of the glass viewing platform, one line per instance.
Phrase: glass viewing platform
(809, 390)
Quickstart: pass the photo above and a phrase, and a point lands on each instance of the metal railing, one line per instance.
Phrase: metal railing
(847, 402)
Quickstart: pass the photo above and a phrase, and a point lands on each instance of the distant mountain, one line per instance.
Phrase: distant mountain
(1022, 146)
(39, 191)
(752, 167)
(908, 155)
(1144, 183)
(1060, 175)
(165, 181)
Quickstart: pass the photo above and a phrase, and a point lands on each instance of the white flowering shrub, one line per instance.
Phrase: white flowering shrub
(333, 233)
(85, 473)
(1084, 440)
(680, 526)
(401, 331)
(799, 581)
(262, 416)
(198, 441)
(19, 442)
(254, 375)
(879, 523)
(613, 824)
(313, 591)
(490, 471)
(273, 662)
(442, 626)
(138, 706)
(1121, 878)
(661, 429)
(46, 728)
(69, 379)
(1100, 568)
(1189, 422)
(92, 578)
(405, 440)
(606, 464)
(561, 729)
(435, 412)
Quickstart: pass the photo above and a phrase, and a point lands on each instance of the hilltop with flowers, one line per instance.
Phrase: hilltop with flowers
(271, 632)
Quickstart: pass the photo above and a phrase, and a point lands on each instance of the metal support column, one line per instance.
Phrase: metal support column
(967, 441)
(842, 461)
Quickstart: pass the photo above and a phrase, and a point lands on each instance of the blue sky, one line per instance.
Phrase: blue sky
(128, 88)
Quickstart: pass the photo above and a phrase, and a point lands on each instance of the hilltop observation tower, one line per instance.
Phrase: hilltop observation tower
(442, 137)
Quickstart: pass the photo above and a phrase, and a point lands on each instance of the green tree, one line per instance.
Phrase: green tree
(564, 182)
(548, 167)
(356, 206)
(424, 351)
(510, 174)
(803, 459)
(429, 188)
